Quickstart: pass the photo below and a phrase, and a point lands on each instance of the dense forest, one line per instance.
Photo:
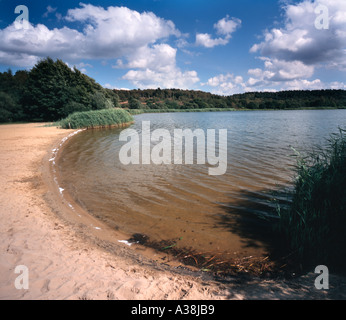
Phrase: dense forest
(52, 90)
(188, 99)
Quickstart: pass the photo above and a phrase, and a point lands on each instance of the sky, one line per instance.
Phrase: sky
(220, 46)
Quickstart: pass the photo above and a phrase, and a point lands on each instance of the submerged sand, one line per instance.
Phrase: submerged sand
(70, 255)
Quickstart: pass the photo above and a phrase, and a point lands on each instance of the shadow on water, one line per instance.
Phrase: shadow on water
(254, 218)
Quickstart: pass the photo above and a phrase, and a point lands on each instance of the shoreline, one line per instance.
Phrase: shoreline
(63, 258)
(141, 111)
(69, 260)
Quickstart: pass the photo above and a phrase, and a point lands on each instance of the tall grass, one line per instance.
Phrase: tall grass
(315, 224)
(97, 118)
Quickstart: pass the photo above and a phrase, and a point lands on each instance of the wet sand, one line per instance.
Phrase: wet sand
(71, 255)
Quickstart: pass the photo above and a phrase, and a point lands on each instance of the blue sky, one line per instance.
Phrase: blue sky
(220, 46)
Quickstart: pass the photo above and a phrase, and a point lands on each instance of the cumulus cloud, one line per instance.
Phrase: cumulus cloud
(292, 53)
(226, 84)
(107, 34)
(116, 31)
(283, 75)
(152, 79)
(300, 40)
(23, 47)
(227, 26)
(131, 38)
(278, 71)
(304, 84)
(206, 40)
(338, 85)
(159, 57)
(156, 67)
(224, 27)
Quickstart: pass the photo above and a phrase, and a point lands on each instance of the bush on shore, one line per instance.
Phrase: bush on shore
(96, 118)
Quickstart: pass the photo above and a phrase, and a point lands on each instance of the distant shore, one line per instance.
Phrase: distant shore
(139, 111)
(68, 260)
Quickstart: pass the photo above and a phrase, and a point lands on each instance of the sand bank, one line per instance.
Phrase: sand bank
(70, 255)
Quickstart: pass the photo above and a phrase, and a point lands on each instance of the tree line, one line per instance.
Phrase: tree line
(188, 99)
(52, 90)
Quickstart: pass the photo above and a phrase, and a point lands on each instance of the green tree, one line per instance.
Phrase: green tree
(135, 103)
(53, 91)
(99, 101)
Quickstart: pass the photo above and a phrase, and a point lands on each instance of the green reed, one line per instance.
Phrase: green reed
(97, 118)
(314, 225)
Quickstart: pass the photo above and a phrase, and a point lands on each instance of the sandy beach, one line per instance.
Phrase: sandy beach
(70, 255)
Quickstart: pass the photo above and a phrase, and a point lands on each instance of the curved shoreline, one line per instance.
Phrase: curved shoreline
(65, 262)
(92, 228)
(97, 231)
(187, 259)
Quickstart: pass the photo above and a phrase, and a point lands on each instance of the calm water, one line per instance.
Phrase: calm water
(208, 213)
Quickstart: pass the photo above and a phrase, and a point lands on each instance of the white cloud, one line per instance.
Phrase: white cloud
(227, 26)
(226, 84)
(205, 40)
(21, 60)
(159, 57)
(23, 47)
(279, 70)
(118, 30)
(152, 79)
(292, 53)
(220, 79)
(156, 67)
(224, 27)
(283, 75)
(109, 86)
(276, 75)
(304, 84)
(300, 40)
(338, 85)
(107, 34)
(129, 37)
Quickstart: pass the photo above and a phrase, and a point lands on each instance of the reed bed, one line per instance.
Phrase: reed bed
(96, 119)
(314, 226)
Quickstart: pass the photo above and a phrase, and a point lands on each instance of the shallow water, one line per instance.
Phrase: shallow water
(207, 213)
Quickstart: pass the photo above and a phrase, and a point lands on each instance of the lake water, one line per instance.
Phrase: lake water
(226, 214)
